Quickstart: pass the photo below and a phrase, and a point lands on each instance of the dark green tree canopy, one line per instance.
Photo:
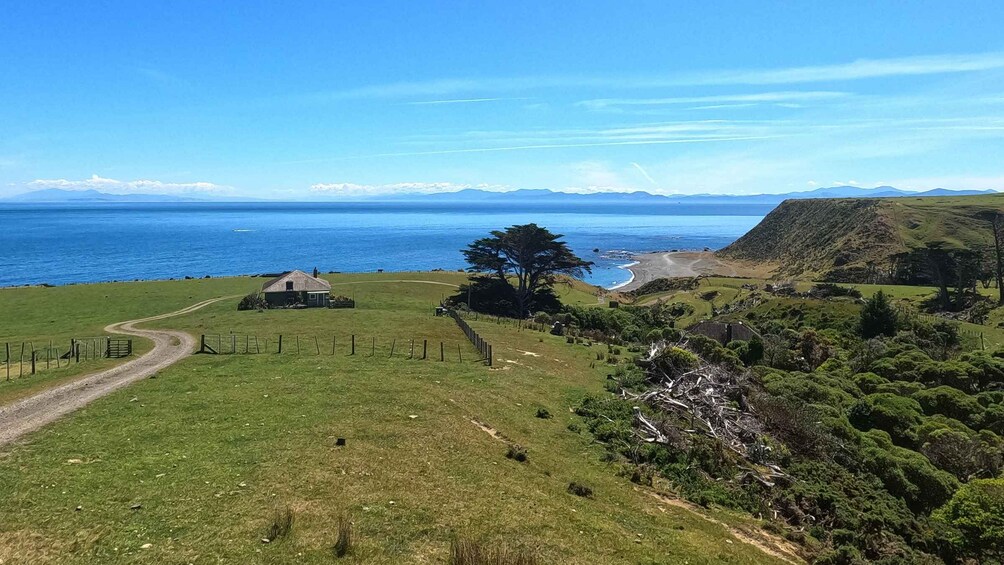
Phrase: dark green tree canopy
(878, 317)
(527, 258)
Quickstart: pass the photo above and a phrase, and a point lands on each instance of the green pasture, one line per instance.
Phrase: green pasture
(191, 466)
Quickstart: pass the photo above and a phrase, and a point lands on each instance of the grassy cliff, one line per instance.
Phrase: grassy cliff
(858, 239)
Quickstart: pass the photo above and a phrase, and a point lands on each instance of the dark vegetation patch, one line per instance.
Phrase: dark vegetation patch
(861, 422)
(665, 285)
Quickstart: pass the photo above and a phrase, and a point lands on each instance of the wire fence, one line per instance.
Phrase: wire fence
(417, 348)
(25, 358)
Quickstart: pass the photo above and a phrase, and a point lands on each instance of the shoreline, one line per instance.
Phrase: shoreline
(669, 264)
(626, 267)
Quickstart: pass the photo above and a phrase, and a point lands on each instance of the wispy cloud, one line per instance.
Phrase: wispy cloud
(461, 101)
(113, 186)
(719, 100)
(860, 69)
(644, 173)
(527, 148)
(857, 70)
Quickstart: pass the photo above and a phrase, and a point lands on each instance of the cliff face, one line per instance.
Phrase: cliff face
(823, 239)
(862, 240)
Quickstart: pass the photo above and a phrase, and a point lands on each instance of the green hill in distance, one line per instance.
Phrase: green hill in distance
(861, 240)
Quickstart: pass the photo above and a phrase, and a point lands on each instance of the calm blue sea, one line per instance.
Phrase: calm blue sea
(73, 243)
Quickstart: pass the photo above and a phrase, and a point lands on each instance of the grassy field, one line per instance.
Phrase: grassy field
(191, 467)
(38, 316)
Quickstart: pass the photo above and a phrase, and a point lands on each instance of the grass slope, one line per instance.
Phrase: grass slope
(836, 238)
(211, 447)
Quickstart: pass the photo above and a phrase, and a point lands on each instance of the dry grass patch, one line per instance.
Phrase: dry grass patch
(468, 551)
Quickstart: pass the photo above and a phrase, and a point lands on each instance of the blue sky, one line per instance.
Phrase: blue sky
(341, 99)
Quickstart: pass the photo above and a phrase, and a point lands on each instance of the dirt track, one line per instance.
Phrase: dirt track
(169, 347)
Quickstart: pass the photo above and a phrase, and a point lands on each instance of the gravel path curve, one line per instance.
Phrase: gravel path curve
(31, 413)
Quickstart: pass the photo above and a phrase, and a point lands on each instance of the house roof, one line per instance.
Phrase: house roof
(302, 282)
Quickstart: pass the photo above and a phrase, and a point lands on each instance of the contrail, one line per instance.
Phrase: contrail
(645, 174)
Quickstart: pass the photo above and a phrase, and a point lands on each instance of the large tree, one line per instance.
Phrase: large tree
(526, 258)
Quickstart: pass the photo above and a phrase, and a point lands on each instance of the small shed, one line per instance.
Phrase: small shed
(296, 288)
(724, 332)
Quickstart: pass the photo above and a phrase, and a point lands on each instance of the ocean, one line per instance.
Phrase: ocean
(96, 242)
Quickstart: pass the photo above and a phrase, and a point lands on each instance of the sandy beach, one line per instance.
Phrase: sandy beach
(651, 266)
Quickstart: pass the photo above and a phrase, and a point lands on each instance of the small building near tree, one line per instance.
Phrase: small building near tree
(296, 288)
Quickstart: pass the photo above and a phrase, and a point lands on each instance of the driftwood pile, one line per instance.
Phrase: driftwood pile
(710, 400)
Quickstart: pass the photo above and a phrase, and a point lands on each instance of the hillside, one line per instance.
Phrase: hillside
(856, 240)
(195, 465)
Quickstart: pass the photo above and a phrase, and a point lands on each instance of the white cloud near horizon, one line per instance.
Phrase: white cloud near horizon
(113, 186)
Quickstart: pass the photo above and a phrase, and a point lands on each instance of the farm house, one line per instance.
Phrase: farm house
(296, 287)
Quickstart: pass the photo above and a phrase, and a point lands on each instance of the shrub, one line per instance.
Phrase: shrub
(516, 453)
(976, 512)
(580, 490)
(950, 402)
(254, 301)
(891, 413)
(674, 360)
(543, 414)
(868, 382)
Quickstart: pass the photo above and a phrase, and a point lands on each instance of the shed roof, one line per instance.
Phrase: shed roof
(302, 282)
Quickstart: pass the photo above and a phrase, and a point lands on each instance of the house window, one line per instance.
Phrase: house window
(289, 285)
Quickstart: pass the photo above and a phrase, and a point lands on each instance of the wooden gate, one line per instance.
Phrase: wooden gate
(118, 347)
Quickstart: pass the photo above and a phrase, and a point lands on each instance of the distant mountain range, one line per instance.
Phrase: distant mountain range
(56, 195)
(640, 197)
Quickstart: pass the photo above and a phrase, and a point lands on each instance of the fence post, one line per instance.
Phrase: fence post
(392, 344)
(33, 361)
(317, 347)
(373, 348)
(489, 355)
(7, 346)
(460, 353)
(353, 344)
(333, 344)
(412, 354)
(441, 352)
(280, 343)
(76, 352)
(425, 348)
(202, 344)
(297, 344)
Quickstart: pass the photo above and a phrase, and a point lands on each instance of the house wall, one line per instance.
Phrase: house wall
(275, 299)
(285, 298)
